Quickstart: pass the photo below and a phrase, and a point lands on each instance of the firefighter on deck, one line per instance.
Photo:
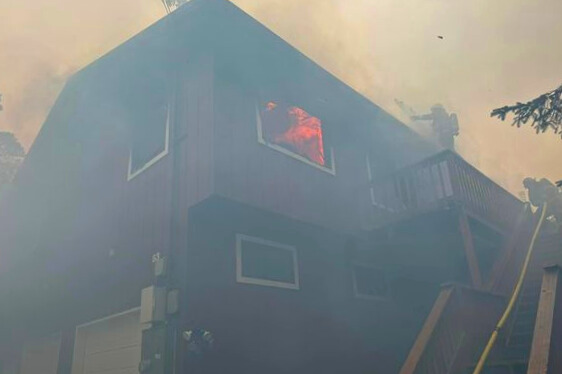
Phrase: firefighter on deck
(444, 126)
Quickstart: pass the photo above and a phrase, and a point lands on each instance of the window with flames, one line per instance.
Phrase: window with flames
(296, 131)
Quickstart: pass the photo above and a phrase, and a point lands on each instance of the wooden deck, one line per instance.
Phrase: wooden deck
(443, 181)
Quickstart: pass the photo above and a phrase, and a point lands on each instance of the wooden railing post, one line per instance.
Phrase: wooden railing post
(469, 251)
(421, 343)
(438, 181)
(497, 282)
(453, 331)
(544, 358)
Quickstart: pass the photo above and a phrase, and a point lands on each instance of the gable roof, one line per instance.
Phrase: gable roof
(241, 43)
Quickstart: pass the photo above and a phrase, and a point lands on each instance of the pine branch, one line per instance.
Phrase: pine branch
(544, 112)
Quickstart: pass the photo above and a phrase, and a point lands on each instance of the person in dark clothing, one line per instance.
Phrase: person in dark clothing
(445, 126)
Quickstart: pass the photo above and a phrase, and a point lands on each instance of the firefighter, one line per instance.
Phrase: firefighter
(543, 190)
(445, 126)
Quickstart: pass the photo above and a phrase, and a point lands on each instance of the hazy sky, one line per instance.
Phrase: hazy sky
(493, 53)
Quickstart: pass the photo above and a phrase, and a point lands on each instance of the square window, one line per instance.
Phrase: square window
(369, 282)
(295, 132)
(266, 263)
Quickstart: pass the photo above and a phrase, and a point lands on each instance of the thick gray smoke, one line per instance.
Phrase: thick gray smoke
(490, 54)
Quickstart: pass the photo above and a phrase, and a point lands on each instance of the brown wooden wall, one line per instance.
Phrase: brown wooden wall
(99, 263)
(322, 327)
(99, 257)
(253, 173)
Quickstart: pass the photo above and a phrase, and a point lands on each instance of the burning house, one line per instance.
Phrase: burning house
(205, 198)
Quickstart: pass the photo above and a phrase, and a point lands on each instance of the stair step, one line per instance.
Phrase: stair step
(521, 341)
(525, 314)
(525, 323)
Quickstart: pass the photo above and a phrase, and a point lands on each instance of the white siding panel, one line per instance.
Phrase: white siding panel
(109, 346)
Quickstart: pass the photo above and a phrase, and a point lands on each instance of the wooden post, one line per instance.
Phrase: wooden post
(541, 358)
(426, 333)
(468, 242)
(509, 247)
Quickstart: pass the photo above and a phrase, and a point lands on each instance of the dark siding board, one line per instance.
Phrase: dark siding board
(250, 172)
(320, 327)
(198, 102)
(130, 217)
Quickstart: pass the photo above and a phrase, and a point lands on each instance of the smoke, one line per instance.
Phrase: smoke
(491, 54)
(43, 42)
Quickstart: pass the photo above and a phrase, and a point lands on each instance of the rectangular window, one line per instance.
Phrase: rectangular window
(151, 131)
(293, 131)
(266, 263)
(369, 282)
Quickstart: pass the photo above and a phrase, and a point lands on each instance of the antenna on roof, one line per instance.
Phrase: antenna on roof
(171, 5)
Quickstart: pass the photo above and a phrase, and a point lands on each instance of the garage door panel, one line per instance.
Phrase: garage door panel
(114, 334)
(109, 346)
(122, 371)
(110, 340)
(118, 359)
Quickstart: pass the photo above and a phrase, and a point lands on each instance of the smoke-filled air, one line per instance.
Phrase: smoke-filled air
(470, 56)
(280, 186)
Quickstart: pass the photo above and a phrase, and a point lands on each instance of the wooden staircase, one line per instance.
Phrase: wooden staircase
(514, 347)
(462, 319)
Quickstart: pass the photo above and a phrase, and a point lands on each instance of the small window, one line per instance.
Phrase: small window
(151, 130)
(369, 282)
(266, 263)
(295, 132)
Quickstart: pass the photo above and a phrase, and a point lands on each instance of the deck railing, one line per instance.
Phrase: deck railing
(439, 181)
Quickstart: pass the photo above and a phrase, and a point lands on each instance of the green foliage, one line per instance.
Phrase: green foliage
(544, 112)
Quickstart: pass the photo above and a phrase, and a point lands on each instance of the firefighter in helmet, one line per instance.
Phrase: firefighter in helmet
(444, 126)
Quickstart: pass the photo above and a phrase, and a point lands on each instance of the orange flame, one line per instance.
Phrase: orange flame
(301, 133)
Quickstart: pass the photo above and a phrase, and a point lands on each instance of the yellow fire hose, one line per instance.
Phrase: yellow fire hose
(514, 295)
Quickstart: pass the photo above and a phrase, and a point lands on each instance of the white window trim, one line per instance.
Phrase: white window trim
(77, 362)
(356, 292)
(331, 170)
(156, 158)
(240, 278)
(370, 176)
(371, 188)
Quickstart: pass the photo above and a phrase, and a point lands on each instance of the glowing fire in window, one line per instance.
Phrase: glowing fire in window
(294, 129)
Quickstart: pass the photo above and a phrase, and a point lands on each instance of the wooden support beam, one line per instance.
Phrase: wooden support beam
(468, 244)
(426, 333)
(543, 350)
(508, 251)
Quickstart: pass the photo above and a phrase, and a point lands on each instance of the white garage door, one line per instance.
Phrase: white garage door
(109, 346)
(41, 356)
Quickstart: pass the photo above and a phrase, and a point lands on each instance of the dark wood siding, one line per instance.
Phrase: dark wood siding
(250, 172)
(98, 264)
(322, 327)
